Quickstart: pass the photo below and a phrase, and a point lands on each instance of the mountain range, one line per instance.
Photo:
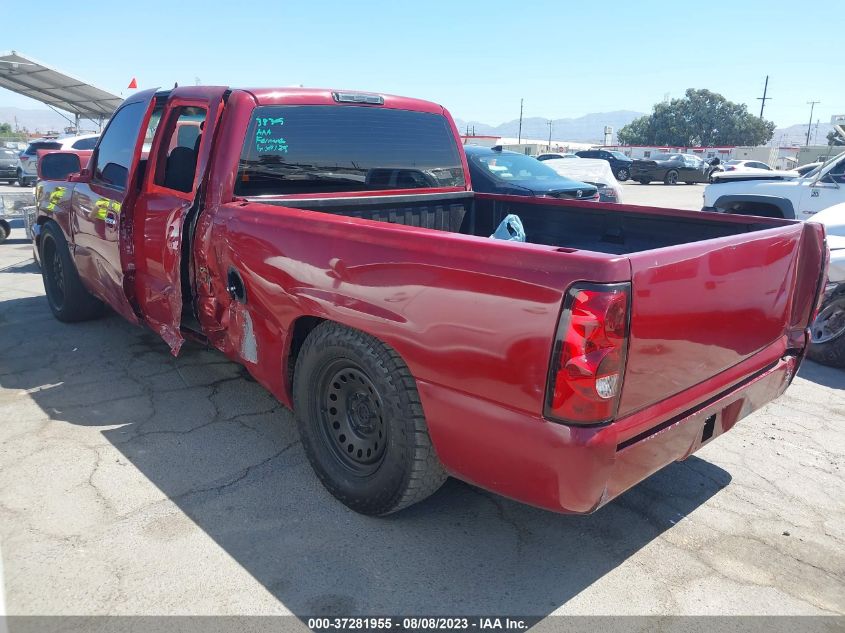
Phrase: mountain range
(585, 129)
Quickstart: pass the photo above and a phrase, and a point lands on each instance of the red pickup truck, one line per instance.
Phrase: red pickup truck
(331, 242)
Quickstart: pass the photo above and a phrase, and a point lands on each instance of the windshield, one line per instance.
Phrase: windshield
(666, 157)
(825, 165)
(292, 150)
(514, 167)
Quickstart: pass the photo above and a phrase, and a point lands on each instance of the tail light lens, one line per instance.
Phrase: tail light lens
(588, 359)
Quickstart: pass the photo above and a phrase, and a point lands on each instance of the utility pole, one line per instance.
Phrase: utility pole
(764, 98)
(550, 135)
(519, 134)
(812, 105)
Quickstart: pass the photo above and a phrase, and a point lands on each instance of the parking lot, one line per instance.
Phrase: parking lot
(133, 482)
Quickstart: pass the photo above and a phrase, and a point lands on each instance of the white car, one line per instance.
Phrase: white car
(827, 333)
(593, 171)
(779, 194)
(27, 172)
(745, 165)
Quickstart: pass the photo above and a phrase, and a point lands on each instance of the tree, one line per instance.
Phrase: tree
(5, 129)
(700, 118)
(834, 139)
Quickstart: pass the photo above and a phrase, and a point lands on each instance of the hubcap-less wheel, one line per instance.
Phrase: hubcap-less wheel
(352, 417)
(55, 274)
(830, 323)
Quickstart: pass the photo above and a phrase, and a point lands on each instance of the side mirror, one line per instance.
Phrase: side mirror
(58, 165)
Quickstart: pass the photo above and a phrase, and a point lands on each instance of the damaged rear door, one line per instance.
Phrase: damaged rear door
(172, 191)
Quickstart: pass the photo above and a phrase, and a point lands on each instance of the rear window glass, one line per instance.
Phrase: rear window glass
(292, 150)
(34, 147)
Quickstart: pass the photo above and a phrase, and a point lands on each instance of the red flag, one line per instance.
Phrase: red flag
(133, 83)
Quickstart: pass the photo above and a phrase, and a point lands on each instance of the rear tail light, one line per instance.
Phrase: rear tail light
(588, 359)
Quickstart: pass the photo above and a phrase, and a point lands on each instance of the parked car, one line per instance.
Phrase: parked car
(331, 243)
(619, 163)
(673, 168)
(494, 170)
(778, 194)
(745, 165)
(827, 333)
(552, 156)
(8, 165)
(804, 170)
(591, 171)
(27, 167)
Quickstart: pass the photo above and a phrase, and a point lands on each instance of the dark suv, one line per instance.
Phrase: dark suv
(619, 163)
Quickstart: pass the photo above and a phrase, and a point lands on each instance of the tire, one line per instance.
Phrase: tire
(671, 177)
(829, 329)
(69, 301)
(643, 181)
(4, 231)
(361, 422)
(20, 179)
(622, 174)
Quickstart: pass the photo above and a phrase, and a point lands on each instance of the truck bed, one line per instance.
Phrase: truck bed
(612, 229)
(746, 302)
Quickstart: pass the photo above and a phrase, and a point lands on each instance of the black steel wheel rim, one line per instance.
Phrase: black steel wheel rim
(54, 268)
(351, 413)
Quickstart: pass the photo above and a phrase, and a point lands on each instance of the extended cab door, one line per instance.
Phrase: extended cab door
(821, 193)
(101, 204)
(177, 165)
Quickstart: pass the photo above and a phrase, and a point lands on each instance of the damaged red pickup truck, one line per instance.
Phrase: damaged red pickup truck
(332, 244)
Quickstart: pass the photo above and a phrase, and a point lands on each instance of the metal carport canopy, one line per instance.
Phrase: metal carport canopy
(31, 78)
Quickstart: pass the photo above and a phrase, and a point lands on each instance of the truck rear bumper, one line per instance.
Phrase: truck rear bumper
(577, 469)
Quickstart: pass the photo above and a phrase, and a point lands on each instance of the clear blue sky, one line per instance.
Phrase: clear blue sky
(565, 59)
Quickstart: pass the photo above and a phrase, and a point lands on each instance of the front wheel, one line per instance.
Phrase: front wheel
(622, 175)
(644, 181)
(827, 333)
(671, 177)
(361, 422)
(68, 299)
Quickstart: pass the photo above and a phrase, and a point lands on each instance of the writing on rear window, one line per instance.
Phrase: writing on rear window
(267, 135)
(295, 150)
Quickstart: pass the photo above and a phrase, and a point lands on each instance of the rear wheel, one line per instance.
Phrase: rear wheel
(69, 300)
(827, 334)
(671, 177)
(361, 422)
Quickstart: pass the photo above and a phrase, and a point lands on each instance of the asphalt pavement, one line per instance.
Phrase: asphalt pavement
(133, 482)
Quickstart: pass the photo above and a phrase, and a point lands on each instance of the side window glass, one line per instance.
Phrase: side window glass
(85, 143)
(177, 163)
(117, 145)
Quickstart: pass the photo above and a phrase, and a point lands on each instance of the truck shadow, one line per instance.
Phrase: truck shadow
(220, 448)
(832, 377)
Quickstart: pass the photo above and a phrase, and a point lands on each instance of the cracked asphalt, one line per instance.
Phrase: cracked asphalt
(132, 482)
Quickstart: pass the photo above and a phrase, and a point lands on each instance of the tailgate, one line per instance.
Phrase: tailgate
(699, 309)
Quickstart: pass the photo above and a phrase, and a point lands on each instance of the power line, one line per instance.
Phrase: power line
(812, 105)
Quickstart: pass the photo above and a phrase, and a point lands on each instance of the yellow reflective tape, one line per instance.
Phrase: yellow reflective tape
(55, 198)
